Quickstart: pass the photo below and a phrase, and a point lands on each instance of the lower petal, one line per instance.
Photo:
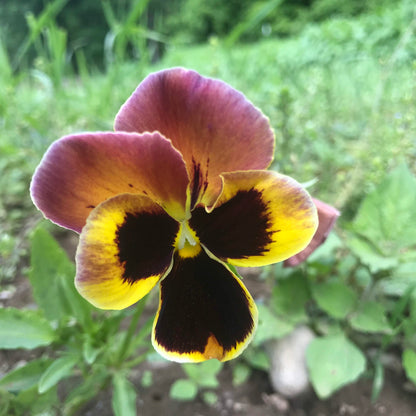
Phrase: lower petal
(125, 248)
(205, 312)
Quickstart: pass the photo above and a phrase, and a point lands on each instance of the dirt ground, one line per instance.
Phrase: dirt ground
(256, 398)
(253, 398)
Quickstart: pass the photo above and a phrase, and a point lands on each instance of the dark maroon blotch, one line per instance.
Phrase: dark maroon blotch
(237, 229)
(145, 244)
(200, 298)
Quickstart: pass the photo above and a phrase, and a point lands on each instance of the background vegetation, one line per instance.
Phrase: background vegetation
(338, 82)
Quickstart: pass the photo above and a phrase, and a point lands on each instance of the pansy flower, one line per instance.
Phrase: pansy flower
(174, 196)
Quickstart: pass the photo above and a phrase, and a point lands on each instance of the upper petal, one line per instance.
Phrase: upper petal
(327, 216)
(125, 248)
(80, 171)
(214, 126)
(205, 312)
(260, 218)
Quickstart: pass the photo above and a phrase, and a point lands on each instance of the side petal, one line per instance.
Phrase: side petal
(214, 126)
(204, 312)
(125, 248)
(327, 216)
(80, 171)
(260, 218)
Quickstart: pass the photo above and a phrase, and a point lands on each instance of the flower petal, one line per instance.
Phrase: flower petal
(260, 218)
(125, 248)
(204, 312)
(79, 172)
(214, 126)
(327, 217)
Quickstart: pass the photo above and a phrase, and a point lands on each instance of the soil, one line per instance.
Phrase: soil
(253, 398)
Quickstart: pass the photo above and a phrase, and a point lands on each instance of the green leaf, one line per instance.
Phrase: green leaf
(370, 255)
(124, 396)
(409, 364)
(241, 373)
(333, 361)
(30, 402)
(210, 397)
(89, 352)
(23, 378)
(59, 369)
(386, 216)
(5, 399)
(183, 390)
(370, 317)
(400, 280)
(289, 298)
(335, 298)
(378, 381)
(270, 326)
(91, 385)
(257, 358)
(52, 278)
(204, 374)
(147, 378)
(23, 329)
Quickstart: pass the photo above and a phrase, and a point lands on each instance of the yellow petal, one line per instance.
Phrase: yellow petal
(125, 248)
(261, 217)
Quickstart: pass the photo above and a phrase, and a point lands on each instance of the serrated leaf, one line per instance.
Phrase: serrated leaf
(409, 364)
(335, 298)
(59, 369)
(23, 329)
(370, 317)
(386, 216)
(124, 396)
(25, 377)
(333, 362)
(183, 389)
(52, 278)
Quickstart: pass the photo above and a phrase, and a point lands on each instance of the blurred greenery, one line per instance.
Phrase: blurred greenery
(338, 83)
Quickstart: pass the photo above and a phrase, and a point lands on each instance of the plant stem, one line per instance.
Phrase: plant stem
(131, 330)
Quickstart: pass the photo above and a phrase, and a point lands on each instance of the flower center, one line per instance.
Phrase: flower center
(187, 242)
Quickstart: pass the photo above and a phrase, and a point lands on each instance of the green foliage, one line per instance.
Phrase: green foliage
(183, 389)
(409, 364)
(335, 298)
(333, 361)
(387, 228)
(56, 295)
(25, 377)
(370, 317)
(200, 376)
(90, 347)
(124, 396)
(24, 329)
(59, 369)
